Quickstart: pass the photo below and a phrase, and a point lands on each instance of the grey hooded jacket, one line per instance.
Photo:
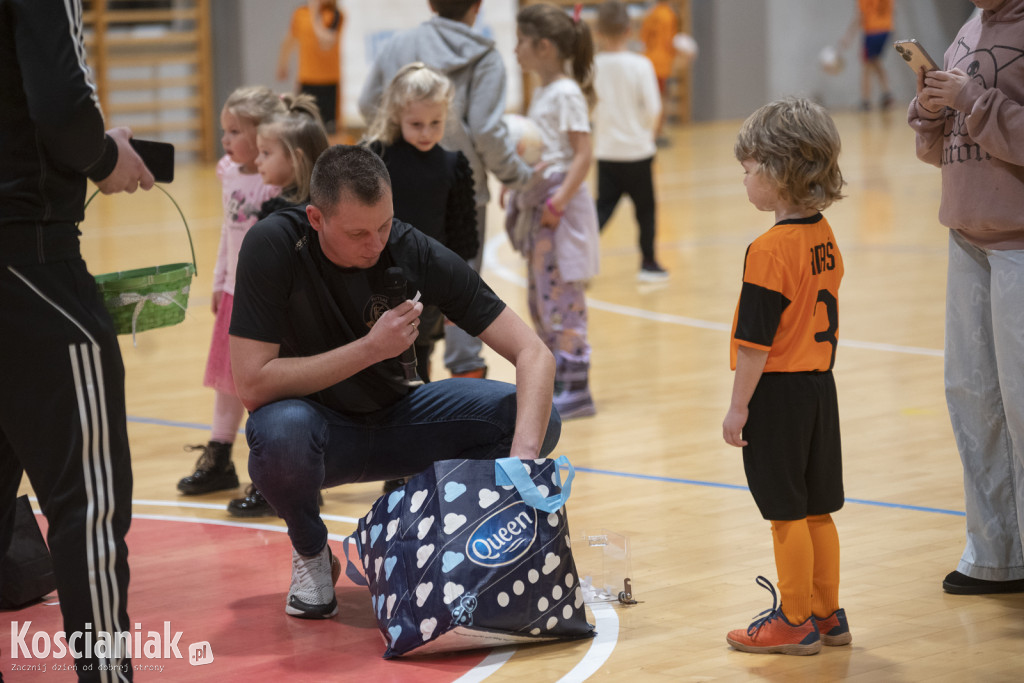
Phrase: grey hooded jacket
(474, 125)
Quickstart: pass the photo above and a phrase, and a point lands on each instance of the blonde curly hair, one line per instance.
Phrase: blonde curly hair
(796, 145)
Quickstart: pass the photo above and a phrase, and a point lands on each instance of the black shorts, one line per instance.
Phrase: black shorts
(326, 97)
(793, 458)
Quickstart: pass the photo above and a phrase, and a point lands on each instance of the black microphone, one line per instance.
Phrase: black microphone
(394, 289)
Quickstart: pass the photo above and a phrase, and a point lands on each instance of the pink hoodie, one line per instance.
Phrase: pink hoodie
(979, 143)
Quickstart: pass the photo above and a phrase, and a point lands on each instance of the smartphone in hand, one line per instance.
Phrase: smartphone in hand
(158, 157)
(914, 55)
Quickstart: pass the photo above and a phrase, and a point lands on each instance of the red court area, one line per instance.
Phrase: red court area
(226, 586)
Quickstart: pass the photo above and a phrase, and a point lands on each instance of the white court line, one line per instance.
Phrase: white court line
(219, 506)
(214, 522)
(508, 275)
(178, 503)
(491, 663)
(606, 623)
(876, 346)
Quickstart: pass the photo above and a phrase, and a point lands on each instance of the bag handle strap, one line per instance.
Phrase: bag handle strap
(350, 568)
(195, 269)
(510, 471)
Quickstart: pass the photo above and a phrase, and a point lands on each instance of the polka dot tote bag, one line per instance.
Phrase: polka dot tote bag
(473, 553)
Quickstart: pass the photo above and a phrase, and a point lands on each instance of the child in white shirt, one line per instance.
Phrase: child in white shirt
(625, 118)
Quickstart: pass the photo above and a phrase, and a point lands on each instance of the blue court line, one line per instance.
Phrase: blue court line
(614, 473)
(172, 423)
(739, 487)
(901, 506)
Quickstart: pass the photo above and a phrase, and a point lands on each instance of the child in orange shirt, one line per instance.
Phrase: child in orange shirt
(315, 30)
(658, 29)
(784, 412)
(875, 17)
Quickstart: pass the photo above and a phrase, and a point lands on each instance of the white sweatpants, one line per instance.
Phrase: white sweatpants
(984, 368)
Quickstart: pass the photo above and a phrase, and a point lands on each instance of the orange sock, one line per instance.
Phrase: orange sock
(794, 560)
(825, 540)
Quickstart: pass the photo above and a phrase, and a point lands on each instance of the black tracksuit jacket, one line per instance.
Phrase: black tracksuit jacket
(51, 126)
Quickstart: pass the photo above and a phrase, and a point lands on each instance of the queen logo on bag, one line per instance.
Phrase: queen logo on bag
(473, 554)
(503, 537)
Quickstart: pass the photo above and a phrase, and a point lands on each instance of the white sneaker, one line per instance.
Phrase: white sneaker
(652, 272)
(311, 595)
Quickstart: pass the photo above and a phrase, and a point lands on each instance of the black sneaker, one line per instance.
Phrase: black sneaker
(961, 584)
(214, 470)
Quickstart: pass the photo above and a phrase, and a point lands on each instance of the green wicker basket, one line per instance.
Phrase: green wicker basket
(147, 298)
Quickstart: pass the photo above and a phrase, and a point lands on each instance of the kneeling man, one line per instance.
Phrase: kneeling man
(313, 352)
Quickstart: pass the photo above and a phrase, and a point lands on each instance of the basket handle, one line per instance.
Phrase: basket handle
(195, 269)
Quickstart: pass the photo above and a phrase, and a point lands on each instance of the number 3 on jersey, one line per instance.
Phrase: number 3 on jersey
(832, 311)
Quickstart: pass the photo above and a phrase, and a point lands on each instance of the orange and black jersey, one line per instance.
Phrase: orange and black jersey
(875, 16)
(789, 304)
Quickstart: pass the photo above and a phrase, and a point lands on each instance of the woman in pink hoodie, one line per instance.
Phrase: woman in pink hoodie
(969, 120)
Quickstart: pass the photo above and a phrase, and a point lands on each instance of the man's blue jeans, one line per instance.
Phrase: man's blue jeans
(297, 446)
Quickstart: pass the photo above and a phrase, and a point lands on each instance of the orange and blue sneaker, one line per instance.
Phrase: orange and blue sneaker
(834, 629)
(771, 632)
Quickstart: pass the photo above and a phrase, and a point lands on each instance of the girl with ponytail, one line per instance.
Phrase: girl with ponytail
(553, 222)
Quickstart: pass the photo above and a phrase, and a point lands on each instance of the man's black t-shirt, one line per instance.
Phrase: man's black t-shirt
(287, 292)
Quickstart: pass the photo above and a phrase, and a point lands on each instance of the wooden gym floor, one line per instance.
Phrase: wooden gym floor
(651, 466)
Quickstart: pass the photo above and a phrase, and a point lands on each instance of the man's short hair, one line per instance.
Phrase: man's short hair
(348, 172)
(452, 9)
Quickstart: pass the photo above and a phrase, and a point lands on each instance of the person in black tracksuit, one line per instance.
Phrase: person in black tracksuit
(62, 405)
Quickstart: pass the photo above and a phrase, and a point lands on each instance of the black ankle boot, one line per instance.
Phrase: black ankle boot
(214, 470)
(255, 505)
(572, 396)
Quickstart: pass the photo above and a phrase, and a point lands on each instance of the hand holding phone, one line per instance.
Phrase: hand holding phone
(915, 56)
(158, 157)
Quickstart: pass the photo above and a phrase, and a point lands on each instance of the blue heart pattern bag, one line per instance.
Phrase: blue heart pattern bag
(473, 553)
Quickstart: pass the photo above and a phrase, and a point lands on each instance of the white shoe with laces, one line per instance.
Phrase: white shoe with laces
(311, 595)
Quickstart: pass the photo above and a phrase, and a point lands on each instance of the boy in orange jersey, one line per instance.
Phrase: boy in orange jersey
(315, 31)
(875, 18)
(784, 412)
